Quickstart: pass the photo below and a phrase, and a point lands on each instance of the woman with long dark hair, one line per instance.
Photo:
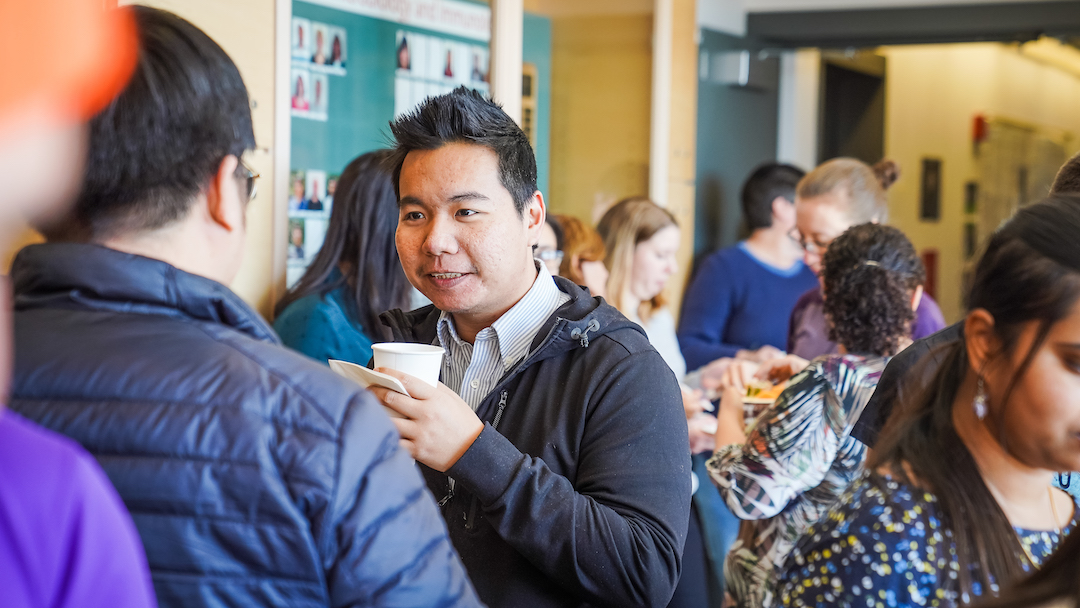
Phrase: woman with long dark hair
(333, 310)
(783, 473)
(957, 499)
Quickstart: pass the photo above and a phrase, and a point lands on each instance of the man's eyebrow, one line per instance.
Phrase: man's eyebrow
(467, 196)
(1071, 345)
(409, 200)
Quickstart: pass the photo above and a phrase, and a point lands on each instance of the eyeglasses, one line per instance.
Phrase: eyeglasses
(548, 255)
(250, 177)
(815, 246)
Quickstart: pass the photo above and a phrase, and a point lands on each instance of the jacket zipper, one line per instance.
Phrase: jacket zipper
(470, 519)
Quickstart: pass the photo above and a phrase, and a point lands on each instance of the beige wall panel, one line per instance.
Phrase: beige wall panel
(600, 90)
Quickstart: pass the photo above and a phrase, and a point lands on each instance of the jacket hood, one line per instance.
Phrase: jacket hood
(99, 278)
(573, 325)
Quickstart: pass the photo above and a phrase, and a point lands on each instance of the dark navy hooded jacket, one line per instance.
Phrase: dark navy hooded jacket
(255, 476)
(577, 491)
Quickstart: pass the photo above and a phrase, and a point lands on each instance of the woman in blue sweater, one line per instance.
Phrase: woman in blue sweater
(332, 311)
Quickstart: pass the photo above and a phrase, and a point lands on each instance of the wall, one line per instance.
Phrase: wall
(932, 94)
(600, 101)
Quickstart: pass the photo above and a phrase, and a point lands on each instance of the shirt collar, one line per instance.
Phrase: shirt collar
(515, 329)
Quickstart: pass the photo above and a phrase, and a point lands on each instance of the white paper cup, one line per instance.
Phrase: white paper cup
(421, 360)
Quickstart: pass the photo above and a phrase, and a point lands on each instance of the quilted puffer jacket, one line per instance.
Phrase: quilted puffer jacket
(255, 476)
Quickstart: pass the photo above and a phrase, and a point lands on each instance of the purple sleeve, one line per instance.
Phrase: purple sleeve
(928, 319)
(106, 558)
(65, 537)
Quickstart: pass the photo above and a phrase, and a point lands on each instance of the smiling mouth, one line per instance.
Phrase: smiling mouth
(446, 275)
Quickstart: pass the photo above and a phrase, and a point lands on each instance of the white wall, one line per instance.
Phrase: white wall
(933, 93)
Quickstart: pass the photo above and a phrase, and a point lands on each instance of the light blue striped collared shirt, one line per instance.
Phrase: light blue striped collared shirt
(473, 370)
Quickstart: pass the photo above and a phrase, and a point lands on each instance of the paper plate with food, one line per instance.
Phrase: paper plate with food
(763, 392)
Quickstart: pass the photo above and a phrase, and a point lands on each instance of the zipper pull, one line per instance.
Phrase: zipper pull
(499, 413)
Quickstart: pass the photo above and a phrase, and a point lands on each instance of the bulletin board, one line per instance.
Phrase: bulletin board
(355, 66)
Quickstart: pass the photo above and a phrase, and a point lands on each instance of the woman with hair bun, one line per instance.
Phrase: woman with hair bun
(957, 501)
(838, 194)
(797, 456)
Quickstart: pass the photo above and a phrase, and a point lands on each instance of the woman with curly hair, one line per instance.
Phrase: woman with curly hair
(782, 473)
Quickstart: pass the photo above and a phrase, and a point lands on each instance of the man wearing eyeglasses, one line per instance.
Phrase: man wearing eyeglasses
(255, 476)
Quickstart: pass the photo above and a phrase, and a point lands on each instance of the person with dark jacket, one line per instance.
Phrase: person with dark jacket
(255, 476)
(556, 440)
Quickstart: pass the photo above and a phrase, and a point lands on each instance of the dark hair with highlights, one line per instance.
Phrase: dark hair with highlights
(766, 183)
(869, 274)
(360, 243)
(161, 141)
(1030, 272)
(466, 116)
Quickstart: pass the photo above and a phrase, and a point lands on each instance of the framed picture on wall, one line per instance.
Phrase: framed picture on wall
(971, 240)
(930, 202)
(971, 197)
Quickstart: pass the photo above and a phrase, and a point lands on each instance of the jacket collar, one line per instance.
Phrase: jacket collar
(74, 275)
(573, 325)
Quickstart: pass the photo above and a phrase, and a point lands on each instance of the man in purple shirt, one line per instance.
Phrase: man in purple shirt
(66, 539)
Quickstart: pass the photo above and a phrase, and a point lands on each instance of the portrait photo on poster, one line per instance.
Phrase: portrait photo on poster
(339, 49)
(296, 239)
(403, 60)
(301, 97)
(315, 191)
(320, 93)
(301, 38)
(331, 187)
(320, 51)
(297, 186)
(479, 72)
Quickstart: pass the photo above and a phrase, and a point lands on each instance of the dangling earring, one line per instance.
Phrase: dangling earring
(980, 399)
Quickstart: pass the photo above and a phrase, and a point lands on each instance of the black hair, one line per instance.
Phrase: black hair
(360, 242)
(465, 115)
(1068, 177)
(869, 274)
(160, 142)
(1029, 272)
(765, 183)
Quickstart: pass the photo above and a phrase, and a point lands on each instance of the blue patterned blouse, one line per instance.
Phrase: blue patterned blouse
(883, 545)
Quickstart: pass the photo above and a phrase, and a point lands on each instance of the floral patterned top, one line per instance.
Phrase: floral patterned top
(883, 545)
(797, 459)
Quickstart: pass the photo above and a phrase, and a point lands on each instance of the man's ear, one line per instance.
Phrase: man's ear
(223, 201)
(783, 210)
(980, 338)
(535, 214)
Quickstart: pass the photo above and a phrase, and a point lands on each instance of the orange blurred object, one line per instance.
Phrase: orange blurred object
(74, 54)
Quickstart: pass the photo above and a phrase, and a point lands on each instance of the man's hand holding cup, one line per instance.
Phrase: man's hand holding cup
(437, 426)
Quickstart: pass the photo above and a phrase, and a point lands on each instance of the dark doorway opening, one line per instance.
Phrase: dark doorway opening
(853, 107)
